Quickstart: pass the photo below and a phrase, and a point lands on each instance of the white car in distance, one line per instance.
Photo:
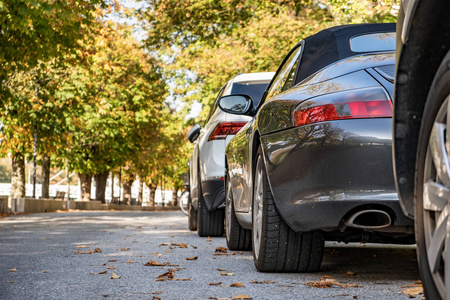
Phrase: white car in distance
(207, 164)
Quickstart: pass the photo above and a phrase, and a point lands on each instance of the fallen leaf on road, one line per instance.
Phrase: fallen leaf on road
(156, 298)
(44, 271)
(168, 275)
(130, 262)
(192, 258)
(327, 282)
(100, 273)
(84, 252)
(153, 263)
(167, 251)
(215, 284)
(139, 227)
(350, 274)
(10, 282)
(163, 244)
(115, 276)
(412, 292)
(195, 247)
(242, 297)
(261, 282)
(280, 285)
(219, 269)
(222, 249)
(157, 293)
(111, 267)
(124, 249)
(225, 254)
(181, 279)
(82, 246)
(237, 284)
(226, 274)
(415, 284)
(12, 270)
(158, 254)
(98, 250)
(208, 239)
(112, 260)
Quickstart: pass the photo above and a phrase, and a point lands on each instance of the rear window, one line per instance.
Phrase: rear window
(254, 90)
(373, 42)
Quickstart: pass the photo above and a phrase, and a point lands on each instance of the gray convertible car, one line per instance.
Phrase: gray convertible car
(315, 161)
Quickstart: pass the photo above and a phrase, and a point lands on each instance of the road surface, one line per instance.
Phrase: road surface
(41, 257)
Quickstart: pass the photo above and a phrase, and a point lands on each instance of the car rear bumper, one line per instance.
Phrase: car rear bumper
(319, 173)
(213, 191)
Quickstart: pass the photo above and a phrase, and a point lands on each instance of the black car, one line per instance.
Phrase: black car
(315, 161)
(421, 143)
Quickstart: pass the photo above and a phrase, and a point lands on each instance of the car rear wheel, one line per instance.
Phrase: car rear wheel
(210, 223)
(432, 188)
(192, 216)
(238, 238)
(276, 247)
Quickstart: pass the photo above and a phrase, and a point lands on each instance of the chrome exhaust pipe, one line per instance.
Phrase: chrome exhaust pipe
(369, 219)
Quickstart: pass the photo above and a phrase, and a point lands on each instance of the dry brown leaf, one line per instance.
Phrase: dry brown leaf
(84, 252)
(215, 284)
(98, 250)
(156, 298)
(192, 258)
(157, 293)
(167, 251)
(350, 274)
(168, 275)
(195, 247)
(112, 260)
(111, 267)
(181, 279)
(124, 249)
(226, 274)
(82, 246)
(261, 282)
(281, 285)
(44, 271)
(413, 291)
(327, 282)
(163, 244)
(10, 282)
(222, 249)
(156, 253)
(115, 276)
(153, 263)
(12, 270)
(130, 262)
(139, 227)
(100, 273)
(242, 297)
(219, 269)
(183, 245)
(237, 284)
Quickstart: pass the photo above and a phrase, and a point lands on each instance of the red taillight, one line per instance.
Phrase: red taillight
(347, 105)
(222, 130)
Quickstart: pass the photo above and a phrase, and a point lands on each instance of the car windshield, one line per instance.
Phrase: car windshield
(254, 90)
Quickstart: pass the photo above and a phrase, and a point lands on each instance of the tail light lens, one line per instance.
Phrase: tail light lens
(355, 104)
(222, 130)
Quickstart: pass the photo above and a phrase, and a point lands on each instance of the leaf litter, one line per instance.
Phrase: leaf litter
(328, 282)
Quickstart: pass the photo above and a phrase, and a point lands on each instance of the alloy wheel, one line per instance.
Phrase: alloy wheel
(436, 200)
(257, 207)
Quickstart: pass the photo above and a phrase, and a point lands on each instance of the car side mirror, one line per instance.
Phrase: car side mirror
(194, 133)
(237, 104)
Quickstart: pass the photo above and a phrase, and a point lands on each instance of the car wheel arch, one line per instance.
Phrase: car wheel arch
(410, 80)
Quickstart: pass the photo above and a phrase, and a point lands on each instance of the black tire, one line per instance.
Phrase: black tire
(192, 216)
(426, 219)
(238, 238)
(276, 247)
(210, 223)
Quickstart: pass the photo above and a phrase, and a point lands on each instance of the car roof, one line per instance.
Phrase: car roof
(266, 76)
(333, 44)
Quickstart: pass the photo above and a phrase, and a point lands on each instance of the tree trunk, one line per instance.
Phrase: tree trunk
(100, 186)
(141, 191)
(45, 177)
(18, 176)
(85, 186)
(174, 201)
(127, 191)
(152, 188)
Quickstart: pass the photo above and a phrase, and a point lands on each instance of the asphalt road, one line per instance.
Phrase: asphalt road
(38, 260)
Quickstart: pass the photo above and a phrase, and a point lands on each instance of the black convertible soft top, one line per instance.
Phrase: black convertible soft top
(333, 44)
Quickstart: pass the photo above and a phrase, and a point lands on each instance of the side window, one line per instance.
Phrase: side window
(285, 77)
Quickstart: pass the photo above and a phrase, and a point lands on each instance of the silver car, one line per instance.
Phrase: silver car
(207, 164)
